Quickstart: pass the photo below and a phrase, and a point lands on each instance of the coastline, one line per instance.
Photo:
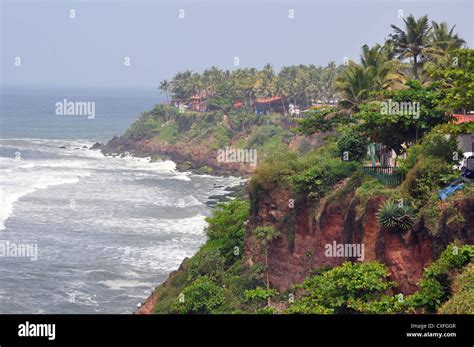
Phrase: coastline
(148, 306)
(201, 161)
(185, 164)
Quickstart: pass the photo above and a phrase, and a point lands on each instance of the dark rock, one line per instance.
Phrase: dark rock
(184, 166)
(96, 146)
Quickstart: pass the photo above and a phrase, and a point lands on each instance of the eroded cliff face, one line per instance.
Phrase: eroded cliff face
(307, 227)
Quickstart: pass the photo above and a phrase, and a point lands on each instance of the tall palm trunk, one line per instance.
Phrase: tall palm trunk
(283, 104)
(267, 280)
(415, 66)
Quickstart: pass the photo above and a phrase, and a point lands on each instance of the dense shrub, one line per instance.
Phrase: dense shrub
(202, 296)
(227, 228)
(335, 290)
(318, 180)
(321, 121)
(207, 262)
(259, 297)
(435, 286)
(169, 132)
(222, 136)
(352, 143)
(145, 128)
(444, 147)
(436, 145)
(425, 178)
(278, 164)
(462, 301)
(263, 134)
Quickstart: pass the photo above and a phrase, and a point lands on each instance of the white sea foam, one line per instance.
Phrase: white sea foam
(131, 221)
(188, 226)
(121, 284)
(19, 178)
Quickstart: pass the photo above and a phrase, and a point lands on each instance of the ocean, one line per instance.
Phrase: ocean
(81, 232)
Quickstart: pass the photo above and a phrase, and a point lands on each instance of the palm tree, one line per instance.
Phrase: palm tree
(264, 236)
(181, 85)
(444, 38)
(266, 80)
(213, 79)
(414, 42)
(387, 72)
(165, 88)
(282, 90)
(244, 83)
(355, 83)
(288, 79)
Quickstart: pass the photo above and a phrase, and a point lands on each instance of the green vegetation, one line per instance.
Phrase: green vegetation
(323, 120)
(457, 79)
(263, 236)
(227, 229)
(361, 288)
(214, 280)
(395, 216)
(436, 284)
(336, 290)
(461, 302)
(312, 174)
(373, 187)
(210, 131)
(317, 180)
(202, 296)
(425, 178)
(351, 145)
(259, 297)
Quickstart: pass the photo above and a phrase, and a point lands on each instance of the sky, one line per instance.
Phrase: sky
(125, 43)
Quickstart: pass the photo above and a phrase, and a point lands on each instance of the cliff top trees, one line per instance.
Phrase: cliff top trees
(418, 43)
(298, 84)
(421, 42)
(445, 38)
(457, 80)
(165, 88)
(393, 129)
(355, 84)
(413, 42)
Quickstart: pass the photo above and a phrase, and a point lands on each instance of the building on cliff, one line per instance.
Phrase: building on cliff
(274, 104)
(466, 141)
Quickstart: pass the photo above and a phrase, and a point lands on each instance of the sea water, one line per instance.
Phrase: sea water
(107, 230)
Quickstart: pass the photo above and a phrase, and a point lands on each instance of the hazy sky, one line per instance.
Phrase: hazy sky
(91, 49)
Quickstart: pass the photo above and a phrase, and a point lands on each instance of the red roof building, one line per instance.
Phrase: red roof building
(273, 104)
(463, 118)
(466, 141)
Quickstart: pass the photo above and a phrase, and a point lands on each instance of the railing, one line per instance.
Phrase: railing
(387, 175)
